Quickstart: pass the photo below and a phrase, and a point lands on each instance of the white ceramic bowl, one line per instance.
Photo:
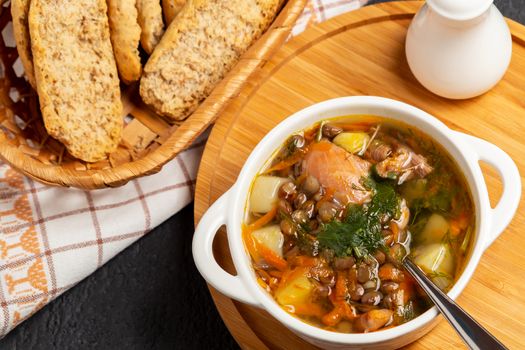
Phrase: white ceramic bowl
(229, 210)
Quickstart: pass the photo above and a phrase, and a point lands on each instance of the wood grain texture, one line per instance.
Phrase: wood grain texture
(27, 147)
(362, 53)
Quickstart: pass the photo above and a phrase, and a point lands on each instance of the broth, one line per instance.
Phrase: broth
(336, 209)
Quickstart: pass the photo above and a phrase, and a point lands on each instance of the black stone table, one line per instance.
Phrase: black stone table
(148, 297)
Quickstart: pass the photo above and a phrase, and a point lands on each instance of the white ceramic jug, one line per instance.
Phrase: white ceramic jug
(458, 48)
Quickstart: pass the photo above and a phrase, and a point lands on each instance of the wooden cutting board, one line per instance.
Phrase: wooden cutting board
(362, 53)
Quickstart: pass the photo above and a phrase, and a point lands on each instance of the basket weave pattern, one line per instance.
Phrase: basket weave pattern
(148, 141)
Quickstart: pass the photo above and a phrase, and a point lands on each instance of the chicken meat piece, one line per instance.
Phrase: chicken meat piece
(338, 170)
(403, 164)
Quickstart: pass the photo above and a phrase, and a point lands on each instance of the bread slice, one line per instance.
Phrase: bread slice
(76, 75)
(20, 13)
(171, 8)
(150, 20)
(125, 36)
(198, 49)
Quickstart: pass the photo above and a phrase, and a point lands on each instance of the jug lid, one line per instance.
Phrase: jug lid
(459, 9)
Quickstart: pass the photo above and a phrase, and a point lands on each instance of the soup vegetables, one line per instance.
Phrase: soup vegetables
(338, 208)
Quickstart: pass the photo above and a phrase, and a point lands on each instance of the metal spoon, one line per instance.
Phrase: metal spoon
(473, 334)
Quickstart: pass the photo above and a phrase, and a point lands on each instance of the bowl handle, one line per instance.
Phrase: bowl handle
(230, 285)
(504, 211)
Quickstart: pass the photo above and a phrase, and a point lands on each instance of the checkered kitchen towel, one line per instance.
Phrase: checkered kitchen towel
(51, 238)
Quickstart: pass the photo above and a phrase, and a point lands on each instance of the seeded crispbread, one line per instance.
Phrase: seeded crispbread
(125, 37)
(150, 20)
(20, 14)
(198, 49)
(76, 75)
(171, 8)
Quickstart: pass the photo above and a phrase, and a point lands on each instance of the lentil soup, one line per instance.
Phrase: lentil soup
(334, 212)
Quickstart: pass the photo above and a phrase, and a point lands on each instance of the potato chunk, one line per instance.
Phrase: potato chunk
(295, 290)
(353, 142)
(437, 261)
(435, 229)
(270, 237)
(265, 192)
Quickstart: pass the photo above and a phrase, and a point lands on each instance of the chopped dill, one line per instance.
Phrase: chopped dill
(415, 214)
(305, 227)
(305, 241)
(368, 183)
(360, 233)
(385, 201)
(290, 147)
(436, 196)
(417, 227)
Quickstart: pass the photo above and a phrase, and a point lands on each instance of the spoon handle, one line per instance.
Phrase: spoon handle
(474, 335)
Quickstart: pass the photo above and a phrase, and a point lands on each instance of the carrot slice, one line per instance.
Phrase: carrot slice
(257, 250)
(309, 309)
(276, 274)
(288, 162)
(306, 261)
(395, 231)
(335, 316)
(270, 257)
(264, 275)
(349, 311)
(408, 291)
(262, 221)
(340, 311)
(263, 285)
(341, 287)
(250, 243)
(459, 224)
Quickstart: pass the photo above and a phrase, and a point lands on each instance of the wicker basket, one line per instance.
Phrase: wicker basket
(148, 141)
